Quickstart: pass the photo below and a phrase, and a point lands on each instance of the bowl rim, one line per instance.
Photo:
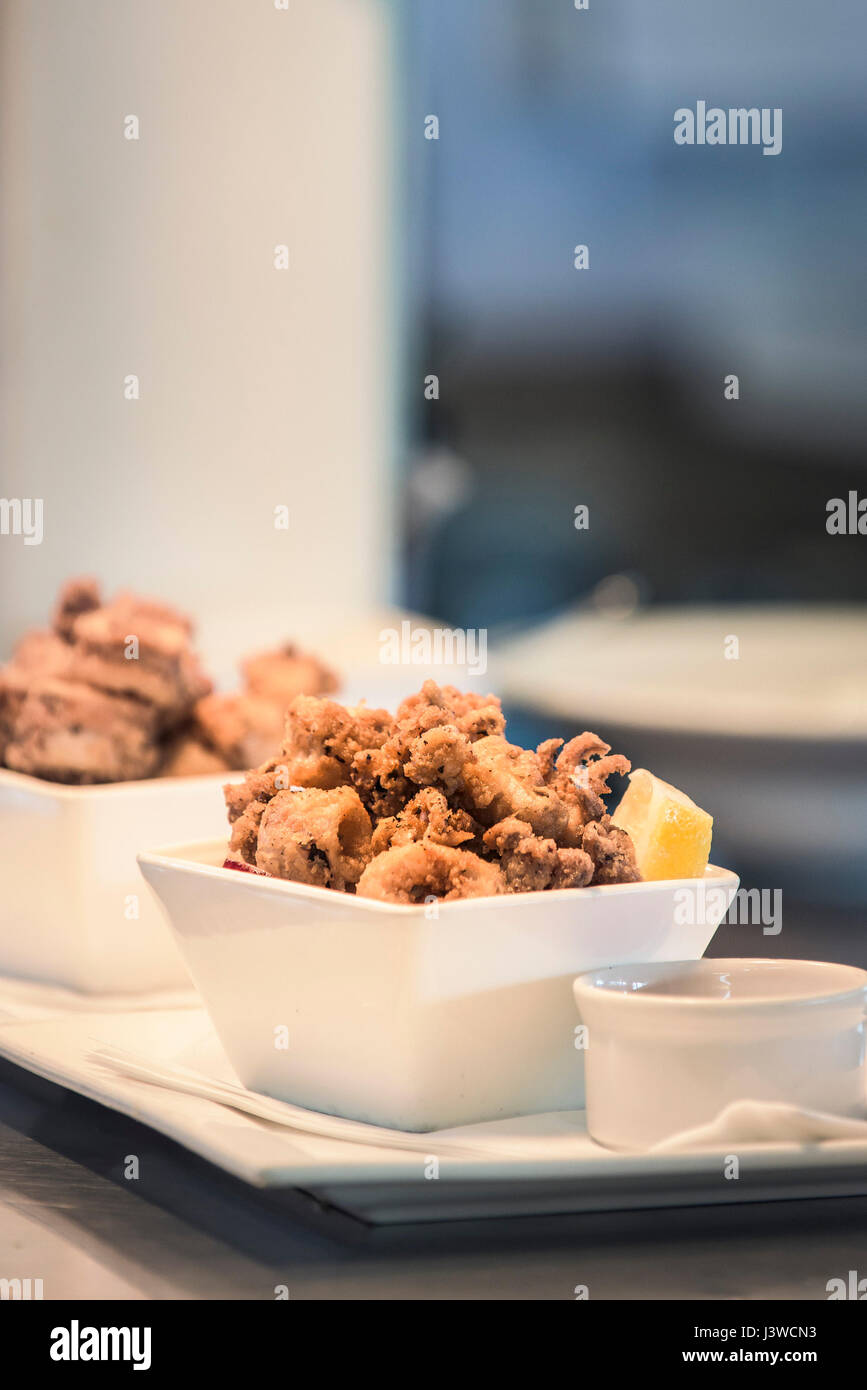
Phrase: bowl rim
(172, 857)
(66, 791)
(586, 988)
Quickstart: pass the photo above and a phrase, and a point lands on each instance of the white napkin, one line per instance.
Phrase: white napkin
(764, 1122)
(191, 1082)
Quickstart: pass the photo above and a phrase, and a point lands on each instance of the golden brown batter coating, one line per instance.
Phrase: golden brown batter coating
(313, 836)
(427, 816)
(533, 863)
(382, 775)
(579, 776)
(38, 655)
(79, 706)
(471, 714)
(186, 756)
(243, 730)
(68, 732)
(612, 852)
(440, 757)
(140, 650)
(505, 780)
(574, 869)
(424, 870)
(322, 739)
(278, 676)
(246, 801)
(76, 597)
(164, 673)
(244, 840)
(452, 808)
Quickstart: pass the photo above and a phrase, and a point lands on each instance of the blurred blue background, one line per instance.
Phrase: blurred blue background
(605, 386)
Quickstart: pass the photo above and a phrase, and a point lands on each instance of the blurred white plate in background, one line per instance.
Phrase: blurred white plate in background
(799, 673)
(770, 741)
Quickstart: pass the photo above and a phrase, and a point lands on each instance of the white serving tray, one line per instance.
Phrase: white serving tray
(532, 1165)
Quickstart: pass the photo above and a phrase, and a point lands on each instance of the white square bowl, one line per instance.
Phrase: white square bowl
(72, 910)
(386, 1014)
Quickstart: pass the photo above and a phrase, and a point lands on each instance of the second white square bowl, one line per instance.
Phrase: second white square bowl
(72, 910)
(386, 1014)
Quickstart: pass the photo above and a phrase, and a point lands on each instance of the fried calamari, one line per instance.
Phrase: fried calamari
(424, 870)
(313, 836)
(102, 696)
(243, 727)
(434, 802)
(114, 691)
(532, 863)
(612, 852)
(428, 816)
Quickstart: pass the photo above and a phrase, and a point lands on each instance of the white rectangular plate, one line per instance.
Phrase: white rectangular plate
(535, 1164)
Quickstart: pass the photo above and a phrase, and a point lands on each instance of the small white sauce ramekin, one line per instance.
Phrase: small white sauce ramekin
(668, 1046)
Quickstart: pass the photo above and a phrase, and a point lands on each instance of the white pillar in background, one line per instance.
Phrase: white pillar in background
(259, 387)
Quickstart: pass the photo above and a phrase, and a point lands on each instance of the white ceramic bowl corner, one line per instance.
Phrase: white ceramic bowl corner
(73, 911)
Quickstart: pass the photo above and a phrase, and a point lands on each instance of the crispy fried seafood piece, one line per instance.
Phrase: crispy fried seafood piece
(244, 839)
(505, 780)
(612, 852)
(38, 655)
(428, 816)
(473, 715)
(78, 705)
(245, 803)
(76, 597)
(533, 863)
(278, 676)
(165, 673)
(242, 729)
(323, 738)
(314, 836)
(378, 776)
(579, 775)
(186, 756)
(69, 732)
(260, 784)
(383, 776)
(453, 808)
(134, 648)
(494, 778)
(414, 872)
(440, 756)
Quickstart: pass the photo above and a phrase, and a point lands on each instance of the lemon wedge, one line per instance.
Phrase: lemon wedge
(670, 833)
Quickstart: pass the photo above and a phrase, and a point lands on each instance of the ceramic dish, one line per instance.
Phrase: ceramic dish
(389, 1014)
(73, 911)
(673, 669)
(671, 1045)
(750, 739)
